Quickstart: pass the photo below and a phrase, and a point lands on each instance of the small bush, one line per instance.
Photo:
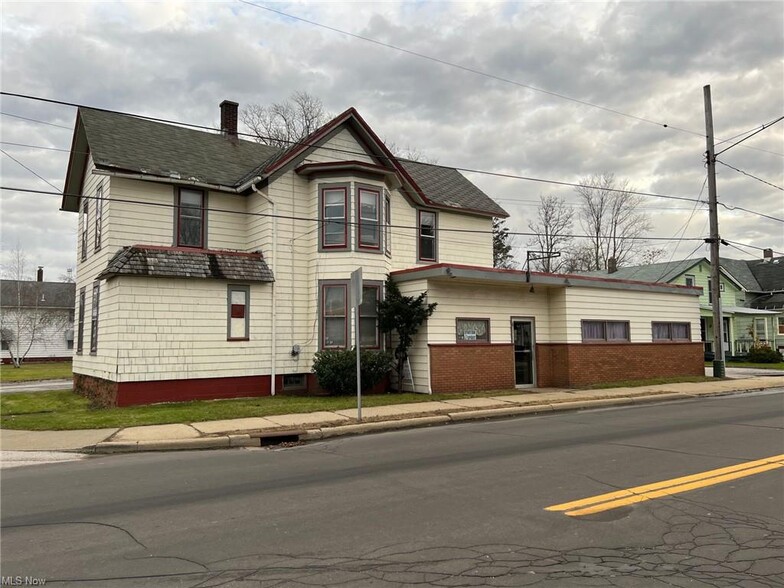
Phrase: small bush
(336, 371)
(763, 353)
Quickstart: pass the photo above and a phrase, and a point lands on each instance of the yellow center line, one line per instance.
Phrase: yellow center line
(627, 496)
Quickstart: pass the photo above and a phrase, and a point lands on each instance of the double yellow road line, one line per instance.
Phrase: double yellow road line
(628, 496)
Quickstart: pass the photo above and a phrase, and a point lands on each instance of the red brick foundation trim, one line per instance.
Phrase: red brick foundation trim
(106, 393)
(562, 365)
(459, 368)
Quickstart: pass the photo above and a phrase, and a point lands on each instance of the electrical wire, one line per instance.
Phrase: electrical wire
(758, 127)
(35, 120)
(315, 220)
(43, 179)
(762, 128)
(750, 175)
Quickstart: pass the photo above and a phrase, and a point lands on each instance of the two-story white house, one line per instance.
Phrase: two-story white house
(213, 267)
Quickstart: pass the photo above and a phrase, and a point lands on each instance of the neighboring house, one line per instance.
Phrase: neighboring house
(752, 297)
(36, 320)
(215, 267)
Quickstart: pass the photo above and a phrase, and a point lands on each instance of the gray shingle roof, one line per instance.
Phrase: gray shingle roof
(769, 274)
(654, 272)
(124, 142)
(448, 187)
(739, 269)
(169, 263)
(31, 294)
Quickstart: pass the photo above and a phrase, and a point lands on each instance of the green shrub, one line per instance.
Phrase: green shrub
(763, 353)
(336, 371)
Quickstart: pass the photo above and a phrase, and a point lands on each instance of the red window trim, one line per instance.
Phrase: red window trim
(324, 316)
(344, 244)
(421, 257)
(377, 194)
(201, 244)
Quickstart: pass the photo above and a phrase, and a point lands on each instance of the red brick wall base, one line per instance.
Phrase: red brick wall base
(106, 393)
(560, 365)
(459, 368)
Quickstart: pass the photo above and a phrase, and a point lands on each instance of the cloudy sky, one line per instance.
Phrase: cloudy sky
(587, 88)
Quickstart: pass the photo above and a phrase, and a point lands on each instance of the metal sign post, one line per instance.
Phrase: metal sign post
(356, 301)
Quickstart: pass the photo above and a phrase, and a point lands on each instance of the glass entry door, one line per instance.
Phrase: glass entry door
(523, 338)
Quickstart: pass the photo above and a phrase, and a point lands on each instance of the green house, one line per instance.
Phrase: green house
(752, 297)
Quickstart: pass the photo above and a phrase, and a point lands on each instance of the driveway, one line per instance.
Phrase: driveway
(37, 386)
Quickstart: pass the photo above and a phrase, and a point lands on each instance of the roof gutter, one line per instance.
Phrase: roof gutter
(178, 181)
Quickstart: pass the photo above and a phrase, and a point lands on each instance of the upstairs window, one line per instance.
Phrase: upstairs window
(607, 331)
(387, 225)
(85, 216)
(671, 331)
(427, 250)
(369, 234)
(190, 218)
(334, 228)
(98, 217)
(690, 280)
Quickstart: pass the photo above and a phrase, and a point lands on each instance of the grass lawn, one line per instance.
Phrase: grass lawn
(651, 382)
(63, 410)
(55, 370)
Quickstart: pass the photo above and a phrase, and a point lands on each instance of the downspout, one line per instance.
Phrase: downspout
(273, 370)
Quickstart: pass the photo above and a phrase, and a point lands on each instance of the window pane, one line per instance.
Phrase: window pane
(617, 331)
(334, 233)
(680, 331)
(427, 236)
(427, 223)
(238, 313)
(335, 332)
(334, 301)
(472, 330)
(368, 234)
(427, 248)
(593, 330)
(368, 306)
(387, 222)
(368, 205)
(190, 199)
(661, 331)
(190, 231)
(367, 332)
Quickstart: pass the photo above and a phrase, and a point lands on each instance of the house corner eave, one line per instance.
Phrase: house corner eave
(77, 167)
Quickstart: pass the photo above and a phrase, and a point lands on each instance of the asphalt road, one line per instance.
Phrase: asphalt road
(459, 505)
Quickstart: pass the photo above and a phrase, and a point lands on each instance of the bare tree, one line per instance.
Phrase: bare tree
(27, 315)
(610, 215)
(503, 244)
(552, 225)
(282, 124)
(408, 152)
(651, 255)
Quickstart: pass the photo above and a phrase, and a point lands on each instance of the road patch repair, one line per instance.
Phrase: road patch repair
(619, 498)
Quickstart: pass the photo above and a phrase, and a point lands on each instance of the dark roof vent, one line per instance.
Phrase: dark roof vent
(229, 118)
(767, 254)
(40, 276)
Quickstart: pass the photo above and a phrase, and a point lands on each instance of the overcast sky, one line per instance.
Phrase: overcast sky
(646, 60)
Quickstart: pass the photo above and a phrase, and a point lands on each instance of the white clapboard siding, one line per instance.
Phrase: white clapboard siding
(419, 352)
(50, 339)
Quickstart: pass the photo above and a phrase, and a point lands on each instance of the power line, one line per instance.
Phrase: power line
(752, 246)
(762, 128)
(318, 220)
(345, 151)
(479, 72)
(750, 175)
(305, 144)
(43, 179)
(35, 120)
(758, 127)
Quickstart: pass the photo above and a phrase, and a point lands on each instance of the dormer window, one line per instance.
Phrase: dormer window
(369, 234)
(190, 218)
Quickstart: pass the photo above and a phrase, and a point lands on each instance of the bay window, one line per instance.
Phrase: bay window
(369, 234)
(334, 207)
(368, 317)
(334, 315)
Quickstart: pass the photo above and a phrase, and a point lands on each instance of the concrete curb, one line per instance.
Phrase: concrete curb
(275, 437)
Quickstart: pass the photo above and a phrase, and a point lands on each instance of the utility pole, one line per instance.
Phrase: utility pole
(714, 240)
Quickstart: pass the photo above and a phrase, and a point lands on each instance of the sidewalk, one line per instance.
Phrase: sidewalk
(259, 432)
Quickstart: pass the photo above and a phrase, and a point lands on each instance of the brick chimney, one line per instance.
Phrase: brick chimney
(767, 254)
(229, 118)
(40, 276)
(612, 265)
